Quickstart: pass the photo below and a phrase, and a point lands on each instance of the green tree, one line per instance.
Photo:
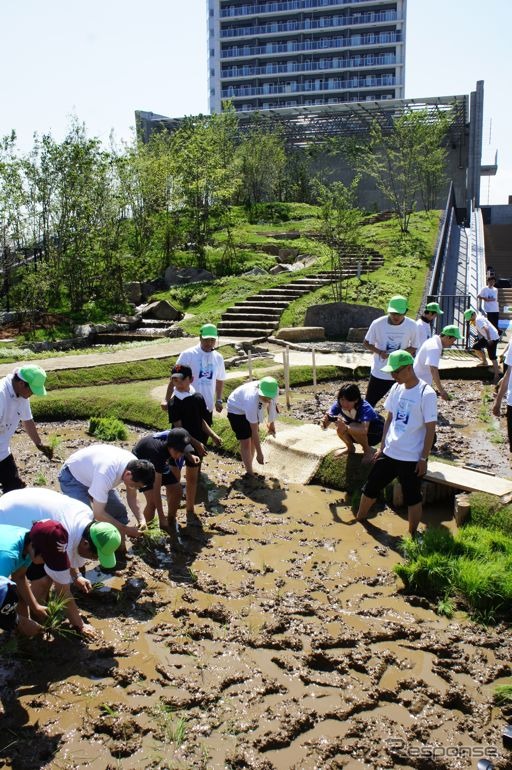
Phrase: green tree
(12, 220)
(262, 160)
(205, 175)
(407, 162)
(341, 228)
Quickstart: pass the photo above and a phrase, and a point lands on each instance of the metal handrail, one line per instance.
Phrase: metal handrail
(433, 287)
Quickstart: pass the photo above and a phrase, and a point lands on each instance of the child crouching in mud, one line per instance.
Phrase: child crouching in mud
(356, 420)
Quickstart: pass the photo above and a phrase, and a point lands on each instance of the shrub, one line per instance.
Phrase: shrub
(107, 429)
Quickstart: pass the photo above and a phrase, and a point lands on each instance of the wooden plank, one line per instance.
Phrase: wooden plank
(467, 480)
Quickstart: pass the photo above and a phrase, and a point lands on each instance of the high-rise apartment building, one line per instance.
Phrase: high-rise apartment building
(266, 55)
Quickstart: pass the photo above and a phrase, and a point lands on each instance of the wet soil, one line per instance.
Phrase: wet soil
(277, 638)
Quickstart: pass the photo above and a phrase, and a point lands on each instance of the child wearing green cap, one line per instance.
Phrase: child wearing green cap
(208, 370)
(245, 412)
(428, 357)
(15, 391)
(424, 323)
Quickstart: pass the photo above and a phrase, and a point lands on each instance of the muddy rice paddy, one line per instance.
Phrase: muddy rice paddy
(278, 638)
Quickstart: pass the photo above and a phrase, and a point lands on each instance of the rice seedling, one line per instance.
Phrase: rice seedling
(480, 543)
(431, 575)
(446, 607)
(173, 726)
(55, 622)
(503, 695)
(107, 429)
(108, 711)
(40, 480)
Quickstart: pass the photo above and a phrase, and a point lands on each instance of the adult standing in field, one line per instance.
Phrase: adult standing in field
(92, 474)
(208, 370)
(408, 436)
(426, 363)
(15, 391)
(386, 334)
(505, 389)
(488, 338)
(489, 296)
(424, 323)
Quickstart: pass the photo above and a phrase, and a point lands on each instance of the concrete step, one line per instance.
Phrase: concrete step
(232, 315)
(249, 325)
(255, 309)
(257, 299)
(236, 332)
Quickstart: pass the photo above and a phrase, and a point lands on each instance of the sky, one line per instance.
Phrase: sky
(100, 60)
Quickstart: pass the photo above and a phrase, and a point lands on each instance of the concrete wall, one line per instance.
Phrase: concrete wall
(338, 317)
(497, 215)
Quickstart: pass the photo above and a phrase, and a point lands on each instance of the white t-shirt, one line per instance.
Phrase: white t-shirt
(246, 400)
(428, 355)
(490, 297)
(207, 368)
(13, 408)
(424, 331)
(389, 337)
(508, 361)
(100, 468)
(23, 507)
(481, 322)
(411, 409)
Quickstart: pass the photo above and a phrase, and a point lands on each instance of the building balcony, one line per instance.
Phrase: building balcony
(308, 87)
(301, 102)
(308, 25)
(293, 47)
(323, 65)
(264, 9)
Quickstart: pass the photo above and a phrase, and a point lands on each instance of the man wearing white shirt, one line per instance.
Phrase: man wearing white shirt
(208, 370)
(426, 363)
(84, 540)
(488, 338)
(424, 323)
(92, 474)
(505, 388)
(407, 439)
(390, 332)
(489, 296)
(15, 391)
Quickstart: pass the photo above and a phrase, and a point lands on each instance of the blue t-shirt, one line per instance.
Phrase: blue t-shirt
(12, 543)
(364, 413)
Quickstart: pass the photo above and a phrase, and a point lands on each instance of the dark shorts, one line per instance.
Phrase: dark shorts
(483, 344)
(8, 607)
(377, 389)
(509, 426)
(241, 426)
(493, 318)
(385, 469)
(9, 476)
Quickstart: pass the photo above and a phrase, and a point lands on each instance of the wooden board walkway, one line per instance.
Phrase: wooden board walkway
(468, 480)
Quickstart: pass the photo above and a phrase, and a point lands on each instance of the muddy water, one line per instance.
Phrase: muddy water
(278, 639)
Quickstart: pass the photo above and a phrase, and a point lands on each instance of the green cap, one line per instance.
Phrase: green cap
(452, 331)
(468, 314)
(209, 331)
(433, 307)
(397, 359)
(397, 304)
(35, 377)
(268, 387)
(107, 540)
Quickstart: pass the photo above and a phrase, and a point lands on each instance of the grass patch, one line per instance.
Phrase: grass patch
(503, 695)
(107, 429)
(471, 569)
(486, 511)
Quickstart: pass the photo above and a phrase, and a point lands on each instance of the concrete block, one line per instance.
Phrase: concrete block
(301, 334)
(357, 334)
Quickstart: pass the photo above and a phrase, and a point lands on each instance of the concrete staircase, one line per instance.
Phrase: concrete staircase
(258, 315)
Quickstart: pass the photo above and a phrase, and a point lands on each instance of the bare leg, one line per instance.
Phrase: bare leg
(192, 476)
(247, 451)
(414, 515)
(344, 434)
(150, 507)
(360, 436)
(173, 492)
(365, 505)
(481, 355)
(496, 370)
